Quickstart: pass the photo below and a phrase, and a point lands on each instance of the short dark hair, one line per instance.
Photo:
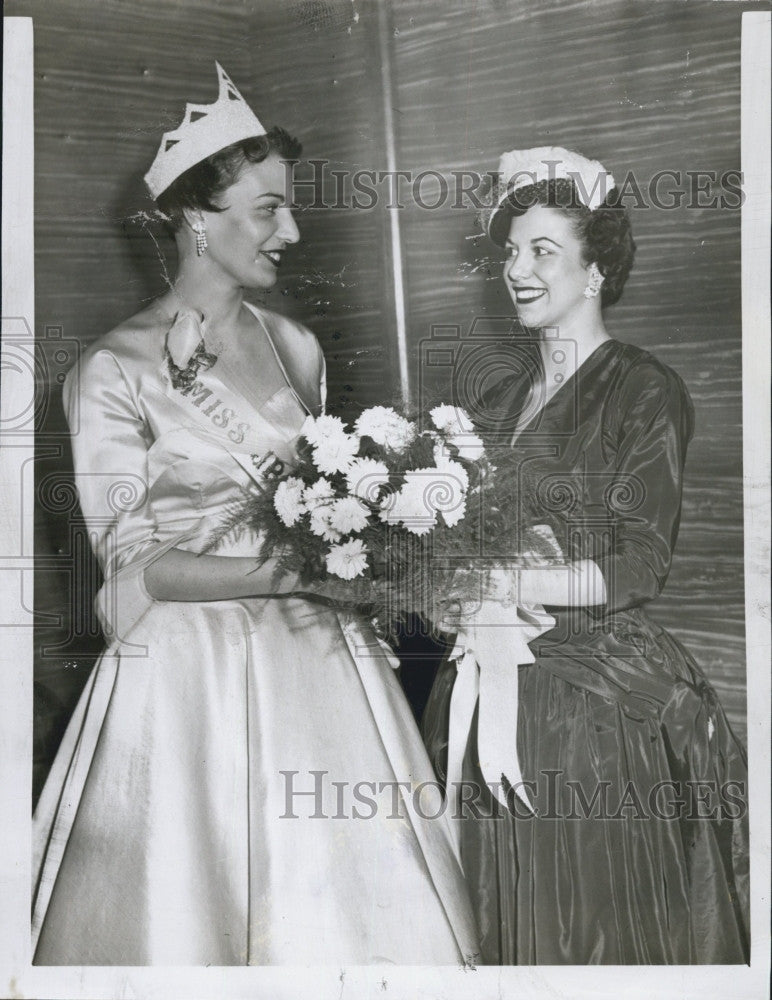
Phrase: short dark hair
(605, 233)
(198, 188)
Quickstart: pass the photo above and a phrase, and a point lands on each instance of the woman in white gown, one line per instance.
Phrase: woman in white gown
(190, 816)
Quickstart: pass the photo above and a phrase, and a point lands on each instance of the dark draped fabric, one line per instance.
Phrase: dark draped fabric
(639, 849)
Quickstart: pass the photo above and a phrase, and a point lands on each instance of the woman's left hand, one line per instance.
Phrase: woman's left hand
(475, 595)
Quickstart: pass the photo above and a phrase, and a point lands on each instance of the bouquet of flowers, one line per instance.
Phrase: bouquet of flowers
(392, 518)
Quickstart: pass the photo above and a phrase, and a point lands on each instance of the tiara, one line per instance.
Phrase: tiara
(521, 167)
(205, 129)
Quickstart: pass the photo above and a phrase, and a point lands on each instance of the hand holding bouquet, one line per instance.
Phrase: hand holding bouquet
(390, 518)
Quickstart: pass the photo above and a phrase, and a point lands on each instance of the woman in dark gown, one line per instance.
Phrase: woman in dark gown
(637, 852)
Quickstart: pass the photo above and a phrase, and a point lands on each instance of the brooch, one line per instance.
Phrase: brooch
(183, 378)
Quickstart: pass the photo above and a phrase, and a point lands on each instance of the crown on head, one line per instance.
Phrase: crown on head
(205, 129)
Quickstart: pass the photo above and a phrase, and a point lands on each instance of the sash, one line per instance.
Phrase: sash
(261, 445)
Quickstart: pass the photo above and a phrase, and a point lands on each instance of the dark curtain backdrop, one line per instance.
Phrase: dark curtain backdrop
(641, 86)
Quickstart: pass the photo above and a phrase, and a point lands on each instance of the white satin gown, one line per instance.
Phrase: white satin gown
(173, 828)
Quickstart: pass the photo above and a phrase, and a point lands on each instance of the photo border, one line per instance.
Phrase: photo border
(19, 978)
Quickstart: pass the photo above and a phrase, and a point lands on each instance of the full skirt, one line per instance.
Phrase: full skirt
(226, 794)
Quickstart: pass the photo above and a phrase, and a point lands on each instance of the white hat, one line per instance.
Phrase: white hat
(205, 129)
(520, 168)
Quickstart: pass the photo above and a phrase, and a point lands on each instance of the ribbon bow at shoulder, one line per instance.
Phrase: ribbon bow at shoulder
(185, 353)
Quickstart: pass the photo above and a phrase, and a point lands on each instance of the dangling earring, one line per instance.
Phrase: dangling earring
(201, 244)
(594, 282)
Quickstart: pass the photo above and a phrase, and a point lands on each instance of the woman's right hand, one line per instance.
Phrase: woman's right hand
(178, 575)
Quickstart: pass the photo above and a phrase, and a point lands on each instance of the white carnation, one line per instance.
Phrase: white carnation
(288, 500)
(450, 419)
(453, 471)
(320, 522)
(454, 513)
(386, 427)
(335, 452)
(365, 476)
(456, 424)
(318, 493)
(315, 429)
(427, 493)
(347, 560)
(318, 500)
(411, 506)
(469, 446)
(451, 482)
(348, 515)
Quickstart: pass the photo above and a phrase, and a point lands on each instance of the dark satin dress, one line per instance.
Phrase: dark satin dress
(613, 707)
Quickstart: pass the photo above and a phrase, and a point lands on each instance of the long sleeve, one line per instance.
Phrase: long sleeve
(109, 450)
(110, 442)
(655, 423)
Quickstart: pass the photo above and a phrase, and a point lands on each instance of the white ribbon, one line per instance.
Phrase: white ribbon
(487, 654)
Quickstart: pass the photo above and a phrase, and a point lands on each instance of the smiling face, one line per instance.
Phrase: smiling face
(246, 240)
(545, 271)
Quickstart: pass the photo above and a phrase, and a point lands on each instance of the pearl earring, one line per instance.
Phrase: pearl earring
(201, 244)
(594, 282)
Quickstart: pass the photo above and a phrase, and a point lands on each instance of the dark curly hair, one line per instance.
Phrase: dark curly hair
(199, 187)
(605, 233)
